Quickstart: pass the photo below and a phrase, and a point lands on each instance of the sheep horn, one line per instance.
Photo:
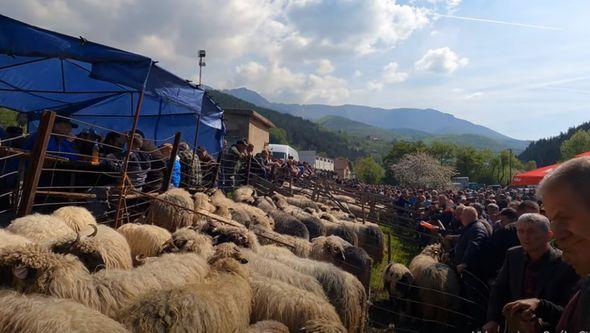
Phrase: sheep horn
(95, 230)
(140, 258)
(77, 238)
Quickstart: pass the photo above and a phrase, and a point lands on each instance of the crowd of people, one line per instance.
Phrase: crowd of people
(239, 159)
(511, 239)
(99, 160)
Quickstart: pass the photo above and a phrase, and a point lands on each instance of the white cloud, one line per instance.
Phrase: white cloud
(280, 83)
(389, 75)
(357, 74)
(392, 75)
(474, 95)
(448, 5)
(442, 60)
(325, 67)
(434, 33)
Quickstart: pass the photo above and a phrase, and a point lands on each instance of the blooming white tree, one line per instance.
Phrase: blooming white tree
(420, 170)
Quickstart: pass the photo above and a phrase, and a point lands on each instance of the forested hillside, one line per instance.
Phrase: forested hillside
(546, 151)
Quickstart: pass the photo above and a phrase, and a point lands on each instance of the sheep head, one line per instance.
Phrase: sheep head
(228, 251)
(397, 280)
(86, 249)
(34, 268)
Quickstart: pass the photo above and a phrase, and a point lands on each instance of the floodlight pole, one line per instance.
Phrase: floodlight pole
(202, 64)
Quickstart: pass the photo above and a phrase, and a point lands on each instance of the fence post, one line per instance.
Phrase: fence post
(171, 160)
(37, 158)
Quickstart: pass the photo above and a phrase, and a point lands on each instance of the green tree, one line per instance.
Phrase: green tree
(576, 144)
(443, 152)
(369, 171)
(278, 136)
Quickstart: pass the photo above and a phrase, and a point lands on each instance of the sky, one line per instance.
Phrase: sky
(519, 67)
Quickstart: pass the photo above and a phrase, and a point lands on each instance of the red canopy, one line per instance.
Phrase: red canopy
(534, 177)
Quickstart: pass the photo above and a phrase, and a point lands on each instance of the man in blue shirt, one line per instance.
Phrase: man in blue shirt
(59, 143)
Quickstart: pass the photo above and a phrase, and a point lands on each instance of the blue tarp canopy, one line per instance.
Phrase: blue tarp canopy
(44, 70)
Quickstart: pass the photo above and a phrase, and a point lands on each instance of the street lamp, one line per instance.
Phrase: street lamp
(202, 64)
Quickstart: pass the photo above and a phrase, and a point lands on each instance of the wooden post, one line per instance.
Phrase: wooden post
(36, 163)
(389, 247)
(171, 160)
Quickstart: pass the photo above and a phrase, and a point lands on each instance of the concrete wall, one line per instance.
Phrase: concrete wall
(258, 135)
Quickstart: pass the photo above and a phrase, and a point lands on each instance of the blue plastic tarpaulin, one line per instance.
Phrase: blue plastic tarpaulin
(44, 70)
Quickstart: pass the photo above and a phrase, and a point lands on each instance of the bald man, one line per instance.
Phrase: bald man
(469, 248)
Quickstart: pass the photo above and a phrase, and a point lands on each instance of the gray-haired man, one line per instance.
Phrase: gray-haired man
(532, 270)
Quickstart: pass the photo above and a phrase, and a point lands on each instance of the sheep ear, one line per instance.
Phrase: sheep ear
(20, 272)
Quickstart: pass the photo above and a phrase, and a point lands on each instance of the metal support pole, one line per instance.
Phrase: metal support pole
(248, 170)
(127, 155)
(36, 163)
(171, 160)
(196, 140)
(510, 176)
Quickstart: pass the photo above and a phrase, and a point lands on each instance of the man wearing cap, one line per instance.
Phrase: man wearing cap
(60, 143)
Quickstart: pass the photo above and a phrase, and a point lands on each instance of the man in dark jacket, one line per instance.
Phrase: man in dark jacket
(469, 248)
(533, 270)
(566, 199)
(503, 238)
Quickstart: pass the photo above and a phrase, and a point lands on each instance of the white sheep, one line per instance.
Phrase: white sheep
(344, 291)
(219, 304)
(245, 194)
(144, 240)
(189, 240)
(104, 248)
(277, 300)
(77, 218)
(41, 228)
(8, 239)
(41, 314)
(279, 271)
(172, 217)
(37, 270)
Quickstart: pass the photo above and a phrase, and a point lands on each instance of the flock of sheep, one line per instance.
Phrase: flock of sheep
(289, 264)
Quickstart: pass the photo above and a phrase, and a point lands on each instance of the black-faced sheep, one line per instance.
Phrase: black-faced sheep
(77, 218)
(266, 204)
(104, 248)
(41, 314)
(436, 284)
(268, 326)
(144, 240)
(398, 280)
(34, 269)
(341, 253)
(189, 240)
(276, 300)
(222, 233)
(172, 217)
(40, 228)
(219, 304)
(344, 291)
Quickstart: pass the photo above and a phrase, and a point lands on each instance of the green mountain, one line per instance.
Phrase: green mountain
(355, 128)
(546, 151)
(303, 134)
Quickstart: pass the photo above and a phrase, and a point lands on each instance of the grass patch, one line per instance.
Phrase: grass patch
(402, 251)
